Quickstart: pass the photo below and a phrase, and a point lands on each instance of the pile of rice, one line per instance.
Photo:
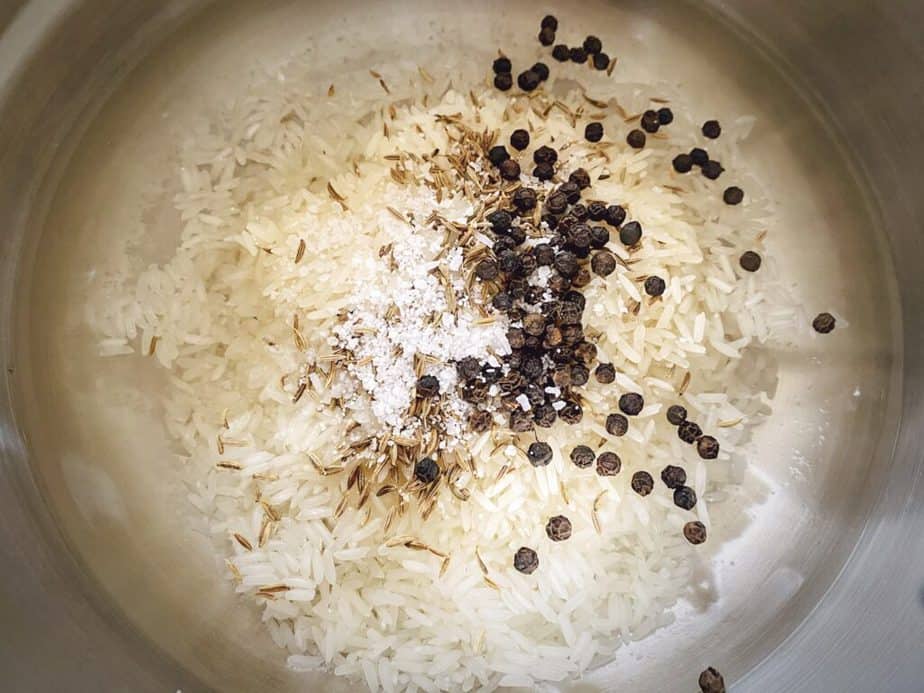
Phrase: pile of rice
(338, 592)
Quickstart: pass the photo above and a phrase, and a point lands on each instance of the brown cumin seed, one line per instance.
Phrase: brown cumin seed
(152, 347)
(242, 540)
(221, 446)
(300, 253)
(685, 383)
(335, 196)
(445, 566)
(330, 90)
(490, 583)
(299, 392)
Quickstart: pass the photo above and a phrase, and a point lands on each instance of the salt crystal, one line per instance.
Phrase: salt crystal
(523, 401)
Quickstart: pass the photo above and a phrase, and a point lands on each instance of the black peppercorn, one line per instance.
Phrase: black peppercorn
(545, 415)
(468, 368)
(480, 421)
(539, 454)
(545, 155)
(546, 36)
(516, 337)
(525, 560)
(673, 477)
(571, 413)
(500, 221)
(502, 301)
(566, 264)
(561, 355)
(601, 61)
(649, 121)
(636, 139)
(599, 236)
(699, 156)
(561, 53)
(580, 177)
(520, 421)
(642, 483)
(558, 528)
(486, 269)
(608, 464)
(578, 54)
(524, 199)
(542, 70)
(579, 375)
(593, 45)
(654, 286)
(707, 447)
(498, 155)
(558, 283)
(569, 313)
(617, 425)
(823, 323)
(544, 254)
(572, 190)
(630, 233)
(528, 80)
(689, 431)
(503, 81)
(543, 172)
(631, 403)
(428, 386)
(733, 195)
(519, 139)
(749, 261)
(578, 239)
(577, 298)
(510, 170)
(615, 215)
(550, 220)
(582, 456)
(712, 169)
(603, 263)
(534, 324)
(665, 116)
(605, 373)
(695, 532)
(557, 202)
(426, 471)
(683, 163)
(572, 334)
(502, 64)
(711, 681)
(684, 497)
(549, 22)
(596, 210)
(676, 414)
(593, 132)
(712, 129)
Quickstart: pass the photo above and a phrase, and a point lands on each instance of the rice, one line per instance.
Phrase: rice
(283, 169)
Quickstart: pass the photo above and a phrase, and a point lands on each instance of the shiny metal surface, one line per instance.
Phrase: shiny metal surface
(819, 587)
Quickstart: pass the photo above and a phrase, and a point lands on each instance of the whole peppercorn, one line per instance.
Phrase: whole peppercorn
(673, 477)
(549, 22)
(561, 355)
(603, 263)
(577, 298)
(578, 54)
(676, 414)
(476, 393)
(542, 70)
(561, 53)
(519, 139)
(579, 238)
(712, 169)
(684, 497)
(546, 36)
(487, 269)
(695, 532)
(524, 199)
(516, 337)
(617, 425)
(689, 431)
(593, 132)
(711, 681)
(636, 139)
(509, 262)
(599, 236)
(534, 324)
(500, 221)
(566, 264)
(593, 45)
(557, 202)
(544, 254)
(498, 155)
(545, 415)
(502, 64)
(520, 421)
(615, 215)
(539, 454)
(532, 367)
(544, 172)
(503, 81)
(525, 560)
(707, 447)
(572, 190)
(649, 121)
(571, 413)
(665, 116)
(608, 464)
(510, 170)
(596, 210)
(572, 334)
(642, 483)
(468, 368)
(582, 456)
(580, 177)
(823, 323)
(545, 155)
(562, 376)
(428, 386)
(553, 337)
(749, 261)
(605, 373)
(528, 80)
(631, 403)
(654, 286)
(550, 220)
(558, 528)
(558, 283)
(683, 163)
(699, 156)
(601, 61)
(480, 421)
(426, 470)
(733, 195)
(712, 129)
(579, 375)
(630, 233)
(569, 313)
